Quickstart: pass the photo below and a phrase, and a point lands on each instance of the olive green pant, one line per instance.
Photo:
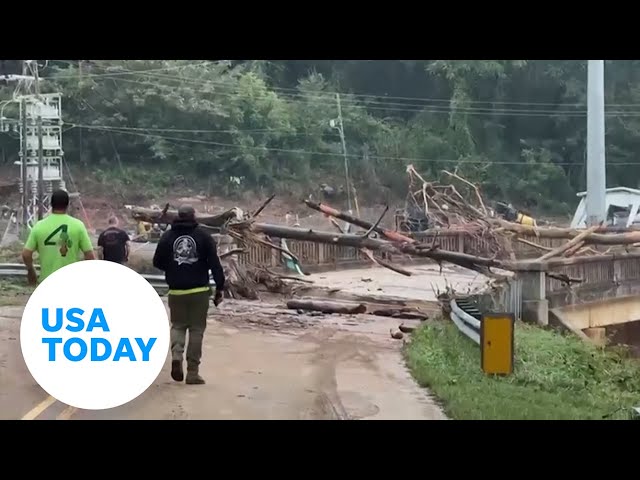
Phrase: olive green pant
(188, 312)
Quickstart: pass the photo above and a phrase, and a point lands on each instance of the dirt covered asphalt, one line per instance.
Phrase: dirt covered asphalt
(262, 361)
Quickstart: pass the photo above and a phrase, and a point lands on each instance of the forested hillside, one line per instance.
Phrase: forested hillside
(516, 127)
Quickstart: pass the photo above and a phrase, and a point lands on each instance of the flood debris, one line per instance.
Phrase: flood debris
(457, 207)
(401, 313)
(406, 328)
(397, 335)
(327, 307)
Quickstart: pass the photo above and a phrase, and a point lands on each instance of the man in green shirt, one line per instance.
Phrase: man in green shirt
(58, 238)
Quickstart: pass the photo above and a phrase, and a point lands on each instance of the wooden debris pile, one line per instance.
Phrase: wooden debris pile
(455, 207)
(444, 204)
(450, 210)
(243, 280)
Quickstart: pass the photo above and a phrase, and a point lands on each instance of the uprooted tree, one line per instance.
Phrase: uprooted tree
(450, 210)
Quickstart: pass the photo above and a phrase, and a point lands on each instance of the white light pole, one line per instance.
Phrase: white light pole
(596, 204)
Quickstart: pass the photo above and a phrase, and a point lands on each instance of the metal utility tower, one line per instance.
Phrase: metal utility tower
(41, 154)
(596, 204)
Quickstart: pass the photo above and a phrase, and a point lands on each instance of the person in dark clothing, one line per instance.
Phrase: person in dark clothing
(186, 253)
(114, 243)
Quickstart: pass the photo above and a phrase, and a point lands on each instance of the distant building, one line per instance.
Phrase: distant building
(622, 205)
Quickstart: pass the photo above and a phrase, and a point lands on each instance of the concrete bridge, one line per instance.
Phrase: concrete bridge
(593, 318)
(602, 291)
(584, 295)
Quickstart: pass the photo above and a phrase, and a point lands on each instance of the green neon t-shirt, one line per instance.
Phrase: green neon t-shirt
(59, 239)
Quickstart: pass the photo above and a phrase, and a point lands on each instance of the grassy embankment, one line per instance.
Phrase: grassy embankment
(556, 376)
(14, 292)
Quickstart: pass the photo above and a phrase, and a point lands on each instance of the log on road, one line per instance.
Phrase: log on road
(327, 307)
(401, 313)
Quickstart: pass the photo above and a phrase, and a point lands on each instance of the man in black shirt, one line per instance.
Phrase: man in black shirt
(114, 243)
(186, 254)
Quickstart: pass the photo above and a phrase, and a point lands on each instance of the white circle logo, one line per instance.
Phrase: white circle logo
(95, 335)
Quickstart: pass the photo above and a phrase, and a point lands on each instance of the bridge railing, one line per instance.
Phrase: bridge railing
(313, 254)
(596, 272)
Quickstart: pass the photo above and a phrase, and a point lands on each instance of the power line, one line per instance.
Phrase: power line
(307, 152)
(379, 105)
(324, 94)
(428, 109)
(297, 92)
(385, 97)
(128, 72)
(187, 130)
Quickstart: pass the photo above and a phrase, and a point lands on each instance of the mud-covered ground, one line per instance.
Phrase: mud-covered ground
(262, 361)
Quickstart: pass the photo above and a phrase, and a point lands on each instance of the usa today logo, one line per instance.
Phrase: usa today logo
(95, 335)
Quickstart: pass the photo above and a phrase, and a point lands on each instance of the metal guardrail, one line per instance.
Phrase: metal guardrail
(466, 319)
(19, 270)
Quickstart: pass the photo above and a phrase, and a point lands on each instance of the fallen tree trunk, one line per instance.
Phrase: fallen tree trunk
(471, 262)
(327, 307)
(600, 236)
(385, 264)
(532, 244)
(161, 216)
(575, 249)
(296, 233)
(327, 210)
(564, 262)
(370, 256)
(402, 313)
(578, 239)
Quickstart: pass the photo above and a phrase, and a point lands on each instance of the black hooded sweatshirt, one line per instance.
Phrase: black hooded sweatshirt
(186, 253)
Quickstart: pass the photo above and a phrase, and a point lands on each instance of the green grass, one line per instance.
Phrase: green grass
(556, 376)
(11, 253)
(14, 292)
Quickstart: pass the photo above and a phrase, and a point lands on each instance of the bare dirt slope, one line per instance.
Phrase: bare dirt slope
(99, 201)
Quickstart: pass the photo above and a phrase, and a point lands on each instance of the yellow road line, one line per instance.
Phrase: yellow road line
(38, 409)
(67, 413)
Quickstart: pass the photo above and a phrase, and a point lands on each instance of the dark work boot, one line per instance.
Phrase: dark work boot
(176, 370)
(193, 378)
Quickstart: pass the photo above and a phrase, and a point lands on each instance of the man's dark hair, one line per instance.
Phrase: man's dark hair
(59, 200)
(186, 212)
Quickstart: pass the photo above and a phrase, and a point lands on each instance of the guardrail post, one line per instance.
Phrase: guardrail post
(535, 306)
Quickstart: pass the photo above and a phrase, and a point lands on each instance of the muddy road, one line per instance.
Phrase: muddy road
(260, 362)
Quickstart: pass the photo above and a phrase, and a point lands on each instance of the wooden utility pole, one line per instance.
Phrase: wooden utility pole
(344, 150)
